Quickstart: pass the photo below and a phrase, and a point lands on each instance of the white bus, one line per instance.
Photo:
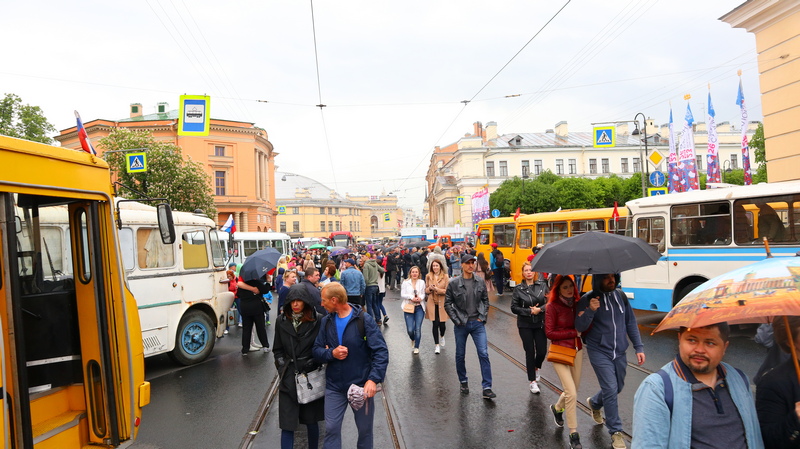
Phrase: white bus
(246, 243)
(703, 234)
(181, 290)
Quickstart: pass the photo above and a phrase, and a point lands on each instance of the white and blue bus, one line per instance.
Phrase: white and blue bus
(705, 233)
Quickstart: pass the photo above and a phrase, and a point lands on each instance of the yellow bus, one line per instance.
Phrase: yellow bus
(516, 239)
(71, 352)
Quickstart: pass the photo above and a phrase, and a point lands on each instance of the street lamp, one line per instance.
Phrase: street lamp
(645, 168)
(525, 175)
(726, 168)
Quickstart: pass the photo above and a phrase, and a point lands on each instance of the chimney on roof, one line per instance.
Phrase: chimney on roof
(163, 107)
(477, 129)
(491, 130)
(136, 110)
(562, 129)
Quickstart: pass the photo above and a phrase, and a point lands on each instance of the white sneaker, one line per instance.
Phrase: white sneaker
(240, 325)
(534, 387)
(437, 350)
(225, 332)
(441, 341)
(416, 350)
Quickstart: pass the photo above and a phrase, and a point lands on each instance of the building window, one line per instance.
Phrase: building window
(330, 211)
(219, 182)
(699, 162)
(559, 166)
(503, 168)
(537, 167)
(330, 226)
(295, 210)
(604, 165)
(734, 162)
(322, 225)
(338, 225)
(573, 166)
(322, 211)
(351, 226)
(592, 166)
(526, 168)
(295, 226)
(337, 211)
(636, 167)
(624, 164)
(219, 150)
(283, 226)
(489, 168)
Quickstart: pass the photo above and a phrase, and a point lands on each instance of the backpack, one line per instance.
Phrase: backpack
(668, 393)
(499, 259)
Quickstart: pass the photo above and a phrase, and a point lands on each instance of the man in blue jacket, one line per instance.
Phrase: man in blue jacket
(606, 322)
(351, 344)
(353, 282)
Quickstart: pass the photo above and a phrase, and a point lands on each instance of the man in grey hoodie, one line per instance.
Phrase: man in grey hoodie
(372, 273)
(606, 322)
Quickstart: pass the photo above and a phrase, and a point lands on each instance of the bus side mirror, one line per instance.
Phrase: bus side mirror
(165, 224)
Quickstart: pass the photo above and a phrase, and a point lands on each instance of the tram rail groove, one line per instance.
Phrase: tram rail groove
(397, 436)
(261, 413)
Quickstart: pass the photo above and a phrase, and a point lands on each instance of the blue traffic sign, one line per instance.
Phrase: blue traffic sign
(657, 179)
(495, 213)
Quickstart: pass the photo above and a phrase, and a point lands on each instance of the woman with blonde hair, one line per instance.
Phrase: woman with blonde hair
(559, 326)
(413, 294)
(436, 286)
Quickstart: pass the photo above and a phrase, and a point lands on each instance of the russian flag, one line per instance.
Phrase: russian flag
(229, 225)
(86, 144)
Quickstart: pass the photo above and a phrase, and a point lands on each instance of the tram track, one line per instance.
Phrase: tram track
(548, 383)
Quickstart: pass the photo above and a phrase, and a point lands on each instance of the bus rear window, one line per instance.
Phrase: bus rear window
(777, 218)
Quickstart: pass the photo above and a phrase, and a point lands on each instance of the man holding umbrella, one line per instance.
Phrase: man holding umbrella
(252, 286)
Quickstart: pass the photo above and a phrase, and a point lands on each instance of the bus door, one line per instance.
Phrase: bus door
(4, 406)
(655, 278)
(522, 250)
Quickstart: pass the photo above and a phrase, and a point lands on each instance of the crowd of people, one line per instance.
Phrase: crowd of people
(333, 315)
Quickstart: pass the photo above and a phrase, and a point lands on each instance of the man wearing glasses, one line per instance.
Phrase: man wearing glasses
(467, 304)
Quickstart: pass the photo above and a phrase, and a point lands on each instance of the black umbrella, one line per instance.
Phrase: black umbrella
(259, 263)
(594, 253)
(420, 244)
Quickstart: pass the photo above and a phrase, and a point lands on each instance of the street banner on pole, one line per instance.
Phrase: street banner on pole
(672, 166)
(713, 144)
(480, 205)
(748, 175)
(687, 162)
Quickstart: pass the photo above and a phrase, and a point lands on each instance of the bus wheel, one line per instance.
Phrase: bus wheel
(686, 290)
(195, 338)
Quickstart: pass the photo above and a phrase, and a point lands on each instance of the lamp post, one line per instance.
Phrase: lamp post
(526, 173)
(645, 168)
(726, 168)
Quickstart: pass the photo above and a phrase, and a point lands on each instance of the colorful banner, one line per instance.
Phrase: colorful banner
(480, 205)
(687, 162)
(748, 175)
(672, 166)
(712, 159)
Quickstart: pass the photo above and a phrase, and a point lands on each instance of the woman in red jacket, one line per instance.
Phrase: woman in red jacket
(559, 327)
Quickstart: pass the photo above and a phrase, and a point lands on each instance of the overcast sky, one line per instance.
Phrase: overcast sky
(392, 74)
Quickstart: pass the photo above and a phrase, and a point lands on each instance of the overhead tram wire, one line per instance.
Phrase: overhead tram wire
(321, 106)
(467, 102)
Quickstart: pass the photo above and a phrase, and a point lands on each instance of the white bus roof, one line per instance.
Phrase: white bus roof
(133, 212)
(259, 235)
(728, 193)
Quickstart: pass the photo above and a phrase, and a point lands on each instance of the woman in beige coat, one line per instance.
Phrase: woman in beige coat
(435, 286)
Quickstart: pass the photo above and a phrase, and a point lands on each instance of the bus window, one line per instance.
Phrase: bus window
(618, 226)
(525, 238)
(701, 224)
(651, 230)
(504, 235)
(743, 225)
(551, 232)
(217, 249)
(579, 227)
(126, 248)
(194, 250)
(484, 237)
(151, 252)
(250, 246)
(772, 217)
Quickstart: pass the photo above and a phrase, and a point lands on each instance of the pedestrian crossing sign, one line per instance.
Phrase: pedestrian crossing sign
(655, 191)
(460, 200)
(605, 136)
(136, 162)
(281, 210)
(386, 217)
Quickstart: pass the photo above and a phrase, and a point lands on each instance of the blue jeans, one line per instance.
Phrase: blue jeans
(335, 406)
(379, 306)
(478, 332)
(611, 377)
(370, 297)
(414, 324)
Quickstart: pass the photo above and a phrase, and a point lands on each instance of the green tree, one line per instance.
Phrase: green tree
(24, 121)
(575, 193)
(607, 190)
(757, 146)
(632, 187)
(183, 182)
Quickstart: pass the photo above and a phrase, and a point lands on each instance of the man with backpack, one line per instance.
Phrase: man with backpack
(697, 400)
(497, 264)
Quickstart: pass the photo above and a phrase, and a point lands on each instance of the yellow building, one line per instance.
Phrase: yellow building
(776, 26)
(237, 155)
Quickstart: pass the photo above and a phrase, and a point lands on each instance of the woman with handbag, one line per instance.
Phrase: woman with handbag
(297, 328)
(528, 303)
(413, 294)
(435, 287)
(482, 271)
(565, 352)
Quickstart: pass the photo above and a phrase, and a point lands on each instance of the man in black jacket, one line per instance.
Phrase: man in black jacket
(467, 304)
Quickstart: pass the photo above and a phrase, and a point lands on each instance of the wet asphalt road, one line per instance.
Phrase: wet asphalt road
(213, 404)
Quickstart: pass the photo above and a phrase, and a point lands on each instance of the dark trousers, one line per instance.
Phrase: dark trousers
(438, 326)
(370, 298)
(391, 279)
(498, 280)
(253, 313)
(535, 344)
(358, 299)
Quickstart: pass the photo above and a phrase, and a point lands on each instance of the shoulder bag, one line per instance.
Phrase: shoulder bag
(561, 354)
(310, 386)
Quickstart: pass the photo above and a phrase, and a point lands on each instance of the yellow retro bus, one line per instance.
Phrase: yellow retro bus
(71, 354)
(516, 239)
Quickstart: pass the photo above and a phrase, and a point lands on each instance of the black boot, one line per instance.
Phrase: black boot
(575, 441)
